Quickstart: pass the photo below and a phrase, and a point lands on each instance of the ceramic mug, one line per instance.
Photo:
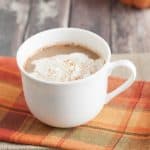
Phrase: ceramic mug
(72, 103)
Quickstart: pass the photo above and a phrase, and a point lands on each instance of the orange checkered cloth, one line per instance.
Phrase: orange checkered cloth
(123, 124)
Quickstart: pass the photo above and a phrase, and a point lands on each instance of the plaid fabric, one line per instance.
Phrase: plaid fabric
(123, 124)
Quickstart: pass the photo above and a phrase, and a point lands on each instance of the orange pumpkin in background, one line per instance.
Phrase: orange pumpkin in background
(137, 3)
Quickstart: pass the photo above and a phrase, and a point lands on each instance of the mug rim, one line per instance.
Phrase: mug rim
(66, 82)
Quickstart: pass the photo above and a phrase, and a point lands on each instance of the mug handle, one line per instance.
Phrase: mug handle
(121, 63)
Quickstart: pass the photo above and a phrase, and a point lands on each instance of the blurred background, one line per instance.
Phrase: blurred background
(125, 27)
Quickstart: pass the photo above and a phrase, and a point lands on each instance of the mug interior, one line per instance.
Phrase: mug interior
(63, 35)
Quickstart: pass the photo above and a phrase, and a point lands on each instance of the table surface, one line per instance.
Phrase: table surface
(126, 29)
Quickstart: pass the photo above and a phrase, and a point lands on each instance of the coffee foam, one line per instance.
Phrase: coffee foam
(67, 67)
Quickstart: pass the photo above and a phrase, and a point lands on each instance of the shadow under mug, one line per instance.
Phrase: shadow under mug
(69, 104)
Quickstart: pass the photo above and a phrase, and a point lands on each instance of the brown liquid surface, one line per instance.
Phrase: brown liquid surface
(49, 51)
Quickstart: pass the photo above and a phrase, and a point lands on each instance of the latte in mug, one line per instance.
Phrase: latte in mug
(63, 62)
(69, 102)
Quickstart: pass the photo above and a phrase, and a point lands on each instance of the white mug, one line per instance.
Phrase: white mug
(72, 103)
